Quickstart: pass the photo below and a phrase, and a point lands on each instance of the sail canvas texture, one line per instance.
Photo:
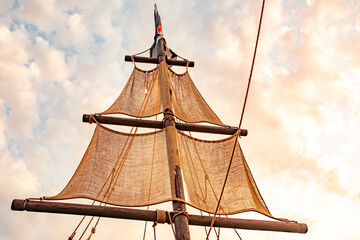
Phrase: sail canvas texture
(205, 164)
(141, 97)
(134, 170)
(122, 169)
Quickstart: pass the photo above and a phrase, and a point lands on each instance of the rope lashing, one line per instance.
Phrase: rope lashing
(177, 213)
(160, 216)
(91, 119)
(25, 202)
(168, 116)
(241, 118)
(28, 199)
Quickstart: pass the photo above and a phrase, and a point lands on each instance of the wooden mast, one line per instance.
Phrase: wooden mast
(162, 52)
(180, 220)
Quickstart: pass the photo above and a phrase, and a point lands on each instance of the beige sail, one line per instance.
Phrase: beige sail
(122, 169)
(132, 170)
(141, 98)
(204, 165)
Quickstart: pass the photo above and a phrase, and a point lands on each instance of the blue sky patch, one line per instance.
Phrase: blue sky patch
(35, 32)
(30, 60)
(15, 5)
(15, 24)
(15, 148)
(7, 111)
(69, 52)
(98, 39)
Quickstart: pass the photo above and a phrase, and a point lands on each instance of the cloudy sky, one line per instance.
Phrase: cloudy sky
(60, 59)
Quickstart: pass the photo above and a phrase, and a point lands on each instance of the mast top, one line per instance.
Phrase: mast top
(159, 50)
(159, 47)
(158, 26)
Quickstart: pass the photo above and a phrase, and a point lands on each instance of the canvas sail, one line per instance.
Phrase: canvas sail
(133, 169)
(143, 89)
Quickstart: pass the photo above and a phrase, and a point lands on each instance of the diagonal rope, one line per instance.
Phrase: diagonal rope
(150, 183)
(241, 118)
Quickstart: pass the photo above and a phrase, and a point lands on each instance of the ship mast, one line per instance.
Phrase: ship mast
(160, 51)
(162, 55)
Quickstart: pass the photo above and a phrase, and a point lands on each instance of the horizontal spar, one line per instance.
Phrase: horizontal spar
(159, 124)
(148, 215)
(156, 61)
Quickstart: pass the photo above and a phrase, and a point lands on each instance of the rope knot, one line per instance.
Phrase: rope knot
(160, 216)
(91, 119)
(177, 213)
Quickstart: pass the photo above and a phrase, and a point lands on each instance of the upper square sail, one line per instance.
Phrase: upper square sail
(141, 97)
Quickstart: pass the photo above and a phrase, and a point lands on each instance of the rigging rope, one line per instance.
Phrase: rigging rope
(151, 175)
(132, 56)
(241, 118)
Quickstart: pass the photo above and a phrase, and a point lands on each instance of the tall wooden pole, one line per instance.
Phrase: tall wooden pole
(180, 220)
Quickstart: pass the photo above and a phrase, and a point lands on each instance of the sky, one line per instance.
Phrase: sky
(61, 59)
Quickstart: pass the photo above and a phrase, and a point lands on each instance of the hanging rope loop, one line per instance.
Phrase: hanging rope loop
(132, 56)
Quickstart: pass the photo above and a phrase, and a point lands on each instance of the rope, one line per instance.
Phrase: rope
(145, 230)
(132, 56)
(74, 232)
(177, 213)
(25, 202)
(168, 116)
(171, 219)
(160, 216)
(154, 225)
(93, 229)
(253, 63)
(183, 58)
(171, 224)
(133, 61)
(151, 175)
(235, 230)
(86, 228)
(241, 118)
